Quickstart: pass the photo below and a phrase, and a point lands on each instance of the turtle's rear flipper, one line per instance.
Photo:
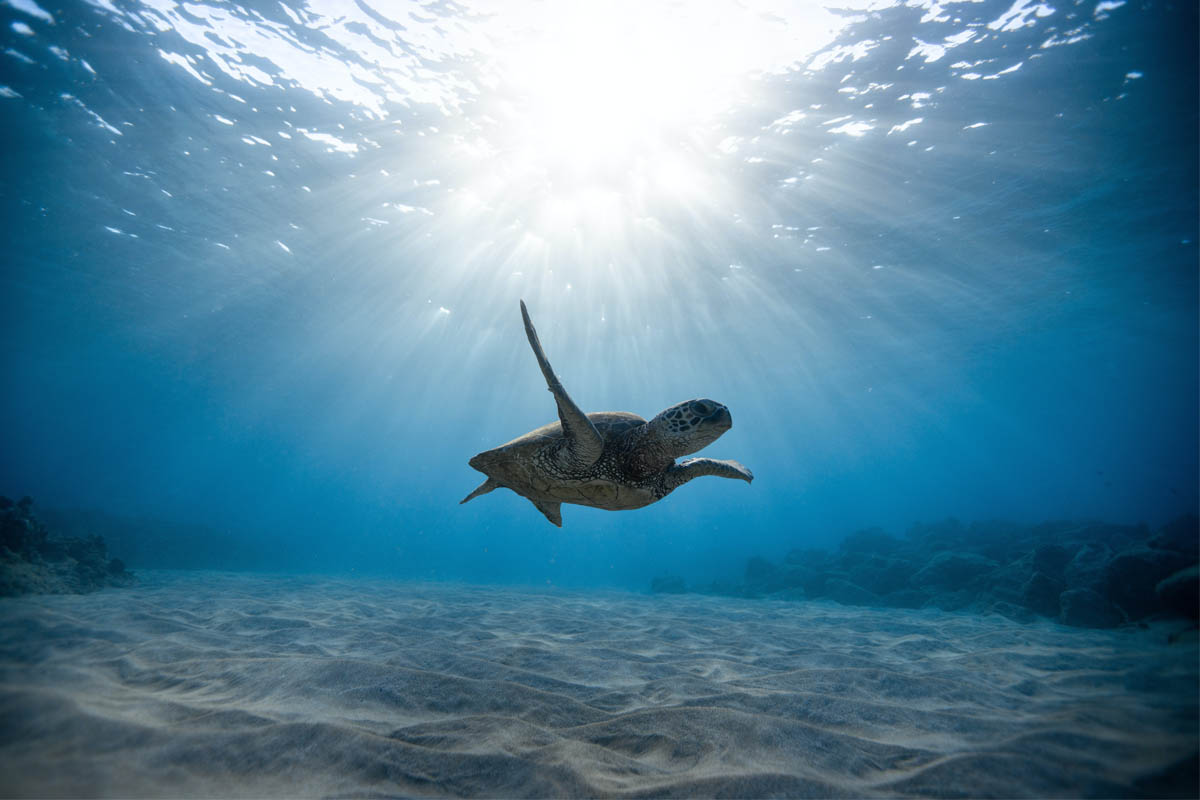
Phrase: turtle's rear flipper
(584, 443)
(553, 511)
(482, 488)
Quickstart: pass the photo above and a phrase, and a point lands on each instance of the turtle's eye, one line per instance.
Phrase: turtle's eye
(702, 407)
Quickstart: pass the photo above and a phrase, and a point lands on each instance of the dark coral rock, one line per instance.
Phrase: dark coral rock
(1181, 535)
(1013, 612)
(883, 575)
(1008, 582)
(20, 531)
(953, 600)
(999, 540)
(1133, 574)
(1051, 559)
(814, 583)
(1040, 594)
(34, 561)
(849, 594)
(1118, 537)
(1088, 569)
(1180, 592)
(1089, 574)
(1085, 608)
(953, 570)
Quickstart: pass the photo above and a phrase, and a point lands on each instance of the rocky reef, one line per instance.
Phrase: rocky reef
(34, 560)
(1083, 574)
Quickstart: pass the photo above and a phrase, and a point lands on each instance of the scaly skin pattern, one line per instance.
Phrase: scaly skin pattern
(531, 467)
(633, 469)
(610, 460)
(618, 480)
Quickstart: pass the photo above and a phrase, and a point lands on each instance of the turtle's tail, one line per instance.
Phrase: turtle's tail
(482, 488)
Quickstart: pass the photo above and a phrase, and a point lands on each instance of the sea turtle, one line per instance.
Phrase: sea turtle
(611, 459)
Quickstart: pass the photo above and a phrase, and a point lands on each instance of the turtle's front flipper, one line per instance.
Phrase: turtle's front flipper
(583, 442)
(683, 472)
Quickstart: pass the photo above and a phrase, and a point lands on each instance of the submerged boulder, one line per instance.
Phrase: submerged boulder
(1081, 573)
(1180, 535)
(1134, 574)
(953, 570)
(1086, 608)
(1013, 612)
(1040, 594)
(1051, 560)
(1180, 592)
(960, 600)
(1088, 569)
(849, 594)
(880, 574)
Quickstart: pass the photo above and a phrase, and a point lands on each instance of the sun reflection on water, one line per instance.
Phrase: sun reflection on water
(617, 160)
(725, 198)
(603, 113)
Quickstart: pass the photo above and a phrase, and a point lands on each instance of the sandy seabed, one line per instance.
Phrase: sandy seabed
(212, 684)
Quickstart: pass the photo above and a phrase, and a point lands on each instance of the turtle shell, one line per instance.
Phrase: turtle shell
(516, 465)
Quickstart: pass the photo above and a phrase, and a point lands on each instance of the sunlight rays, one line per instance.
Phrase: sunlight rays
(655, 169)
(593, 94)
(598, 115)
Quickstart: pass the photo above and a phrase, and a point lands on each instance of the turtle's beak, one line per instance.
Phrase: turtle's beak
(721, 418)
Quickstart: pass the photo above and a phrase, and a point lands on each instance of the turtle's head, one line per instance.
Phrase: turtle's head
(690, 426)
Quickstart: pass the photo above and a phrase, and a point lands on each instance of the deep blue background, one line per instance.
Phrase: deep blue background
(1028, 349)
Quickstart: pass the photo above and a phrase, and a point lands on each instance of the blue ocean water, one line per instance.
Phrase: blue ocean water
(263, 264)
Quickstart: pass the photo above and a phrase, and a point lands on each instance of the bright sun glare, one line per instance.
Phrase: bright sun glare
(611, 104)
(596, 95)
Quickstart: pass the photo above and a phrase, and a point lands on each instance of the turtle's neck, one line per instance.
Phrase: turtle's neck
(646, 453)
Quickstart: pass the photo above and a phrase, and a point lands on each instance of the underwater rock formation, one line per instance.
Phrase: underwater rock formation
(1086, 608)
(35, 561)
(1181, 591)
(1093, 575)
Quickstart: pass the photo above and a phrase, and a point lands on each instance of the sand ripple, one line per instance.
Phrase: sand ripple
(205, 684)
